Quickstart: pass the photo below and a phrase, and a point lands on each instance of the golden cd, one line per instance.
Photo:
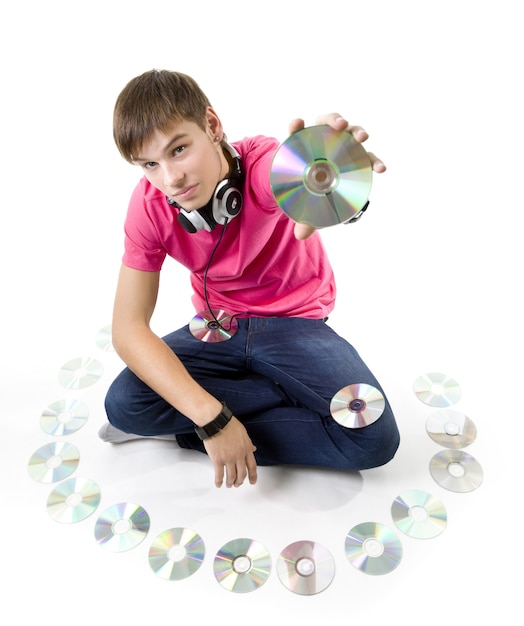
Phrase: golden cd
(436, 389)
(356, 406)
(451, 429)
(456, 470)
(305, 567)
(321, 176)
(53, 462)
(419, 514)
(373, 548)
(213, 327)
(80, 373)
(64, 417)
(73, 500)
(176, 553)
(242, 565)
(122, 527)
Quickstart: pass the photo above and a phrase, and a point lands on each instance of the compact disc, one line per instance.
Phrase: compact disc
(122, 527)
(419, 514)
(64, 417)
(456, 470)
(373, 548)
(176, 553)
(213, 328)
(104, 339)
(357, 405)
(451, 429)
(73, 500)
(53, 462)
(305, 567)
(242, 565)
(321, 176)
(437, 389)
(80, 373)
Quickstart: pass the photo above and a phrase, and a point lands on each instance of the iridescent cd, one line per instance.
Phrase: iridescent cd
(305, 567)
(419, 514)
(437, 389)
(73, 500)
(80, 373)
(176, 553)
(321, 176)
(356, 406)
(242, 565)
(53, 462)
(456, 470)
(104, 339)
(64, 417)
(373, 548)
(122, 527)
(451, 429)
(213, 328)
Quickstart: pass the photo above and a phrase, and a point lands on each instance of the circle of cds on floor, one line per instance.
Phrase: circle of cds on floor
(451, 429)
(436, 389)
(80, 373)
(53, 462)
(456, 470)
(242, 565)
(73, 500)
(373, 548)
(64, 417)
(176, 553)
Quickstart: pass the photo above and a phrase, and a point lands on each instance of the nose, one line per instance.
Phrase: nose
(173, 176)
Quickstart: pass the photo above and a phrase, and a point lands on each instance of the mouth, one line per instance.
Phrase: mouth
(185, 194)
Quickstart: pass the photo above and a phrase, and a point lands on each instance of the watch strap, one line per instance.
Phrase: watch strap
(216, 425)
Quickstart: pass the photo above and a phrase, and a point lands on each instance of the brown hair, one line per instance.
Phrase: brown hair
(153, 101)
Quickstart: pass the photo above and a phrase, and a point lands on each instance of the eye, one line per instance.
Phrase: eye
(178, 150)
(149, 165)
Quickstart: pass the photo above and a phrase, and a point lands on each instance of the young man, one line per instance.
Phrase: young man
(256, 388)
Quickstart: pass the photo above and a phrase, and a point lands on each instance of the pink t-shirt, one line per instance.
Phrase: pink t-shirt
(259, 268)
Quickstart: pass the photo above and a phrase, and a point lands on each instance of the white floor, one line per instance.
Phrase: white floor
(430, 280)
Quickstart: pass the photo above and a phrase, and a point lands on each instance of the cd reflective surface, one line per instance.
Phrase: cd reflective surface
(176, 553)
(456, 470)
(373, 548)
(321, 177)
(242, 565)
(305, 567)
(356, 406)
(122, 527)
(64, 417)
(53, 462)
(436, 389)
(80, 373)
(419, 514)
(73, 500)
(104, 339)
(213, 328)
(451, 429)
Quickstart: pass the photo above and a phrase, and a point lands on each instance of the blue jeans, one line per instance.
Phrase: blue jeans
(278, 376)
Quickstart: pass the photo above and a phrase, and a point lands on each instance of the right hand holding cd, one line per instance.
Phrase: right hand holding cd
(231, 452)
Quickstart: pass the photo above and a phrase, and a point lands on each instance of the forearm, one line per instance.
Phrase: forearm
(158, 367)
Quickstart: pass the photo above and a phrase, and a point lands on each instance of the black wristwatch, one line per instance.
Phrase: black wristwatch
(214, 427)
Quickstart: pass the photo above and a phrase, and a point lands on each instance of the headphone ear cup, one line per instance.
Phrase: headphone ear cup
(227, 201)
(193, 221)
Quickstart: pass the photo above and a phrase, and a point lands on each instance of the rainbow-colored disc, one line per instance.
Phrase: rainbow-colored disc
(419, 514)
(306, 567)
(373, 548)
(80, 373)
(122, 527)
(242, 565)
(64, 417)
(176, 553)
(73, 500)
(356, 406)
(321, 176)
(53, 462)
(213, 326)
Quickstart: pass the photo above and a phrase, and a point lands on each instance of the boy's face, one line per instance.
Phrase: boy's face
(185, 163)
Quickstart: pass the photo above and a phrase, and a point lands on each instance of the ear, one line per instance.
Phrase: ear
(213, 124)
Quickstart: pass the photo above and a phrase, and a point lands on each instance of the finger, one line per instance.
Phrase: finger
(378, 165)
(241, 474)
(296, 124)
(251, 469)
(231, 475)
(219, 475)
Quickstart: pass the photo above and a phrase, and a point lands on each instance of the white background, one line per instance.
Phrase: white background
(430, 280)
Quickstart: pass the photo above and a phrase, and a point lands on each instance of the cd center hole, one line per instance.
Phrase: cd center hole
(54, 461)
(357, 405)
(305, 566)
(74, 499)
(121, 526)
(418, 513)
(213, 325)
(373, 547)
(452, 429)
(437, 390)
(177, 553)
(241, 564)
(456, 470)
(81, 372)
(64, 417)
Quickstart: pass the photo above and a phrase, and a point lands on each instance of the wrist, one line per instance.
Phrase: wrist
(216, 425)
